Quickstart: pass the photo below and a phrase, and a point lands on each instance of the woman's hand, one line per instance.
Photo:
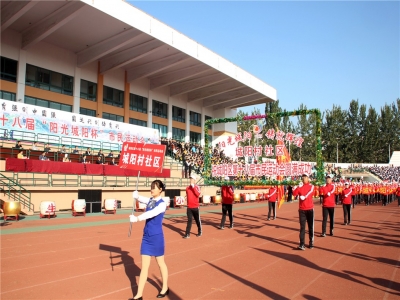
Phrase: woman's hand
(133, 219)
(135, 195)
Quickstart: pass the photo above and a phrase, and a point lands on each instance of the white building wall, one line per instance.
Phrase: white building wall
(89, 72)
(10, 44)
(115, 79)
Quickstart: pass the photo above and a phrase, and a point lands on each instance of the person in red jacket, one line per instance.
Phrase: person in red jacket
(398, 194)
(193, 207)
(347, 194)
(272, 198)
(328, 206)
(227, 201)
(306, 210)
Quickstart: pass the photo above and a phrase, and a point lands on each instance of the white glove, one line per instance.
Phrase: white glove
(329, 193)
(300, 184)
(302, 197)
(135, 195)
(133, 218)
(192, 185)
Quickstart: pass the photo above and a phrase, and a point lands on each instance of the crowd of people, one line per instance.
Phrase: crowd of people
(386, 173)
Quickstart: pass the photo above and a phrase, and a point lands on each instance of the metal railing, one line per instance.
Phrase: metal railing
(16, 192)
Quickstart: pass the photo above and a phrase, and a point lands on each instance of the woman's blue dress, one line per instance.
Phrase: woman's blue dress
(153, 243)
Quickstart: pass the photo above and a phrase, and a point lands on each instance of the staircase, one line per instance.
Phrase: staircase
(12, 191)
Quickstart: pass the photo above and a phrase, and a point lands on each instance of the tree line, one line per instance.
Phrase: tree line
(359, 134)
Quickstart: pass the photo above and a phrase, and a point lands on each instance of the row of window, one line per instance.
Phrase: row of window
(63, 84)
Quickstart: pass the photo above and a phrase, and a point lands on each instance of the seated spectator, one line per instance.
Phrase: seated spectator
(63, 149)
(47, 148)
(83, 159)
(43, 156)
(18, 145)
(34, 146)
(111, 154)
(21, 155)
(113, 163)
(99, 160)
(88, 151)
(65, 158)
(101, 154)
(75, 151)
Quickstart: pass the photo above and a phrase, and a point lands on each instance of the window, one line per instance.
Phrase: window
(195, 137)
(48, 104)
(160, 109)
(113, 97)
(88, 90)
(113, 117)
(137, 122)
(162, 128)
(178, 134)
(178, 114)
(138, 103)
(49, 80)
(208, 118)
(195, 119)
(8, 69)
(87, 112)
(7, 96)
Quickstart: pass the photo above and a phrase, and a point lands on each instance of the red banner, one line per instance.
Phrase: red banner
(142, 157)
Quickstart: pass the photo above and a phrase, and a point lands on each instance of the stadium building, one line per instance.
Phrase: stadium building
(110, 60)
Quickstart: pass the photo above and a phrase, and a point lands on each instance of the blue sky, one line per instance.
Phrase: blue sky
(317, 53)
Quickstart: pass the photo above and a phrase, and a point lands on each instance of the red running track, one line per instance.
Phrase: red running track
(255, 260)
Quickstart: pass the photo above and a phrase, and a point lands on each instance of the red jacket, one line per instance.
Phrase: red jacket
(398, 191)
(273, 194)
(329, 200)
(346, 194)
(227, 194)
(306, 190)
(192, 194)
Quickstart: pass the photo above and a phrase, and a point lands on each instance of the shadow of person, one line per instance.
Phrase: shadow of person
(131, 269)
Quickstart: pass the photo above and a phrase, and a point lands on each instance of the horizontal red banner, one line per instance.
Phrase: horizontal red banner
(142, 157)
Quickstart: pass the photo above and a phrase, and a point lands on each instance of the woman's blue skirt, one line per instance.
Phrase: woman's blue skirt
(153, 245)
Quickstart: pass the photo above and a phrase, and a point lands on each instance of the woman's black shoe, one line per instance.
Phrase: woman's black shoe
(163, 295)
(141, 298)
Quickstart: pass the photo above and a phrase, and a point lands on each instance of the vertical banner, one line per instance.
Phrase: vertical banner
(142, 157)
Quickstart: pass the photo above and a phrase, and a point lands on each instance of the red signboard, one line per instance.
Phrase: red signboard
(142, 157)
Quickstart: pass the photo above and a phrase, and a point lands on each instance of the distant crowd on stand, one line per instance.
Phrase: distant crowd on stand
(386, 173)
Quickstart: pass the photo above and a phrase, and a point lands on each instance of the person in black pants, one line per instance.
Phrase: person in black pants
(289, 193)
(193, 207)
(227, 201)
(328, 205)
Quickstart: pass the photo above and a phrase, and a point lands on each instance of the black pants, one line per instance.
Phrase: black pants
(353, 200)
(289, 197)
(398, 200)
(347, 213)
(271, 207)
(366, 199)
(193, 213)
(306, 216)
(227, 208)
(187, 171)
(325, 212)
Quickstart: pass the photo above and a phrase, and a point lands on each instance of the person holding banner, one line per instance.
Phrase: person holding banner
(227, 201)
(328, 206)
(153, 243)
(272, 199)
(306, 211)
(193, 207)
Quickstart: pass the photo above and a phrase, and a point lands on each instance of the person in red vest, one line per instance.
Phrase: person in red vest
(193, 207)
(347, 195)
(272, 199)
(227, 201)
(328, 206)
(398, 194)
(306, 210)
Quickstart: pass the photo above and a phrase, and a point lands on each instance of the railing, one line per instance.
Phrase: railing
(61, 180)
(16, 192)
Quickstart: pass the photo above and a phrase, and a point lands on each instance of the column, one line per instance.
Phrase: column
(150, 110)
(187, 138)
(203, 119)
(127, 91)
(21, 74)
(169, 118)
(100, 86)
(77, 91)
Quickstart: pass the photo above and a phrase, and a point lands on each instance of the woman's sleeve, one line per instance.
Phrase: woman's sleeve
(160, 208)
(143, 200)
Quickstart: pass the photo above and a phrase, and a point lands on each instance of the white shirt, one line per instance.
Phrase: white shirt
(160, 208)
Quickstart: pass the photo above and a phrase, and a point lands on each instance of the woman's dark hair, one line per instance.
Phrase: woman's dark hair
(159, 184)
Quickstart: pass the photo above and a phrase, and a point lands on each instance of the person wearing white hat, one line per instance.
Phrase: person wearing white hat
(193, 206)
(328, 206)
(227, 201)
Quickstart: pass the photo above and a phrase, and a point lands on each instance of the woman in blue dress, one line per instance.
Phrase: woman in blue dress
(153, 243)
